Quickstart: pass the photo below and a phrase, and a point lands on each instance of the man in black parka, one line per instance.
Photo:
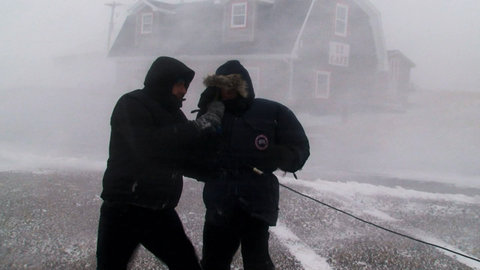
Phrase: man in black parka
(241, 193)
(149, 144)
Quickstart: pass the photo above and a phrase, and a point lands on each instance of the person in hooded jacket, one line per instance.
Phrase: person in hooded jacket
(241, 193)
(142, 184)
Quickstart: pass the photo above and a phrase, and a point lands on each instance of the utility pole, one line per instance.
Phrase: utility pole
(112, 5)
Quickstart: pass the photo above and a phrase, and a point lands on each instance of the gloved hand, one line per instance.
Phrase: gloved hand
(212, 118)
(209, 95)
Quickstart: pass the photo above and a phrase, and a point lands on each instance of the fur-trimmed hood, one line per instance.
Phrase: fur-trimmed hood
(233, 75)
(229, 82)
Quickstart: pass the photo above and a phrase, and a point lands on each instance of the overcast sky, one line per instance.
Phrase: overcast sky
(442, 37)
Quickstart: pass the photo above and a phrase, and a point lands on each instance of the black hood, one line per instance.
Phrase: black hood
(162, 75)
(165, 71)
(234, 67)
(230, 71)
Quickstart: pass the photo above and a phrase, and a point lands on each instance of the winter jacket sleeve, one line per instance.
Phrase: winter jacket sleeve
(149, 138)
(292, 141)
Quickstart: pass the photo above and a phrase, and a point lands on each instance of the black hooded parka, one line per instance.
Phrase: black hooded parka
(250, 128)
(150, 140)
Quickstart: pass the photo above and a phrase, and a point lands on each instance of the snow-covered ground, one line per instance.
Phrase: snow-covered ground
(48, 220)
(441, 219)
(414, 171)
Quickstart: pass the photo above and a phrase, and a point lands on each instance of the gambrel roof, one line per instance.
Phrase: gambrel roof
(376, 24)
(155, 5)
(198, 29)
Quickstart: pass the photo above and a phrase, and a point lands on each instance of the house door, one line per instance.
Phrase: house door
(322, 85)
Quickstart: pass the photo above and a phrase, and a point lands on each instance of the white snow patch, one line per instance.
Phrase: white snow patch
(16, 160)
(350, 189)
(302, 252)
(380, 215)
(431, 176)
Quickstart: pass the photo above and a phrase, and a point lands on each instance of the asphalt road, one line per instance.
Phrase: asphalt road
(49, 221)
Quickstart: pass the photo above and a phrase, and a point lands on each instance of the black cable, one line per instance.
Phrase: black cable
(378, 226)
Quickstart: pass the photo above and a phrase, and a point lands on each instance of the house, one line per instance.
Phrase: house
(399, 71)
(315, 54)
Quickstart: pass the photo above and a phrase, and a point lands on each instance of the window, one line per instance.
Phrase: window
(147, 23)
(239, 15)
(322, 86)
(339, 54)
(341, 20)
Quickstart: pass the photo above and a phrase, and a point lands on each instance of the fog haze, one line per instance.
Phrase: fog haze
(441, 37)
(411, 166)
(57, 90)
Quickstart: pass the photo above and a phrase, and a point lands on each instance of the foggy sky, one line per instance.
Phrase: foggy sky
(441, 37)
(51, 112)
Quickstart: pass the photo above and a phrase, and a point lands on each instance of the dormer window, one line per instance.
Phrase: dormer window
(341, 20)
(239, 15)
(147, 23)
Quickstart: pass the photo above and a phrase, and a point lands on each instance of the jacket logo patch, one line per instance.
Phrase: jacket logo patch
(261, 142)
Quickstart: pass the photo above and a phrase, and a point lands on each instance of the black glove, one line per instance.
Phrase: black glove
(212, 118)
(209, 95)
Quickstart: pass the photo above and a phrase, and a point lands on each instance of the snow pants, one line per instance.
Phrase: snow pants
(122, 228)
(221, 240)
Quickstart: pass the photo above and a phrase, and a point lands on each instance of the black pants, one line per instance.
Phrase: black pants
(123, 227)
(221, 240)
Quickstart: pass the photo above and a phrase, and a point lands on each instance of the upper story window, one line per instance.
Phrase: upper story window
(239, 15)
(341, 20)
(339, 54)
(147, 23)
